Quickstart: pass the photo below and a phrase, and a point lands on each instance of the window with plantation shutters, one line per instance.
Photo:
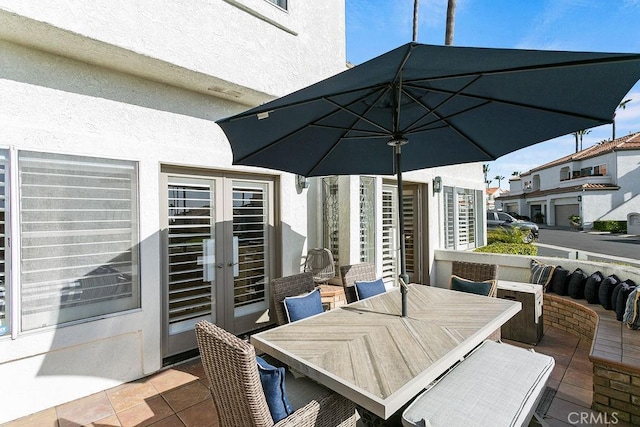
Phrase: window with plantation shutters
(280, 3)
(367, 220)
(331, 215)
(460, 217)
(390, 246)
(79, 238)
(4, 252)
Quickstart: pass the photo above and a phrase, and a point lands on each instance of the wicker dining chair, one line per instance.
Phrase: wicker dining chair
(320, 262)
(289, 286)
(231, 368)
(479, 272)
(476, 272)
(356, 272)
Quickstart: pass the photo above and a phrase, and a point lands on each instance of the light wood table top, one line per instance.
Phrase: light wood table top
(371, 355)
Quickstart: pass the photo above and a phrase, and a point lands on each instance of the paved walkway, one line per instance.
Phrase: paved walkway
(178, 396)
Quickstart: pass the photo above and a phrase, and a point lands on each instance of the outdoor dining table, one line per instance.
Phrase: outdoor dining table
(370, 354)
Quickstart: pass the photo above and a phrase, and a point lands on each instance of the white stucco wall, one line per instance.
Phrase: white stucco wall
(89, 106)
(232, 40)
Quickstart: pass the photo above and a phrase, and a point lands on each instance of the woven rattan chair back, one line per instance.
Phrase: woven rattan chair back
(289, 286)
(320, 262)
(230, 365)
(476, 272)
(352, 273)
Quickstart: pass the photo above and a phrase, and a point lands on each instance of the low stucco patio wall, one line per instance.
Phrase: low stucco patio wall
(517, 268)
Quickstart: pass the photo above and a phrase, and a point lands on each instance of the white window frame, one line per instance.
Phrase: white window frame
(40, 217)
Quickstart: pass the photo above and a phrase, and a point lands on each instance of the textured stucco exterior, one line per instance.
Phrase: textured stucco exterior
(594, 197)
(144, 82)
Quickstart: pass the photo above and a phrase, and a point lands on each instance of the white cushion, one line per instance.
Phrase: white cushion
(496, 385)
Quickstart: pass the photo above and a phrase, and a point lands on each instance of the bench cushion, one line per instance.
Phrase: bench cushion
(496, 385)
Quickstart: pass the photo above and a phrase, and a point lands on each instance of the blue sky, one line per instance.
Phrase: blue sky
(376, 26)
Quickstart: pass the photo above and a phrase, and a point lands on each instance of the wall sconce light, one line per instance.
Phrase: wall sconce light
(437, 184)
(579, 198)
(302, 182)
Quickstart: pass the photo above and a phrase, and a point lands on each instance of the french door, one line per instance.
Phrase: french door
(412, 233)
(218, 245)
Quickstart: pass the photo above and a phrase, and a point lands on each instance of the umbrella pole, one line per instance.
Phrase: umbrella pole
(403, 278)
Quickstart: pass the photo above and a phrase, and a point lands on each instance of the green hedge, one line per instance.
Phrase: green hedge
(612, 226)
(504, 235)
(509, 248)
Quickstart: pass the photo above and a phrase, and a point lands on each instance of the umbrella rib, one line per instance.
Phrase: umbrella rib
(449, 125)
(600, 120)
(358, 117)
(315, 122)
(361, 116)
(568, 64)
(266, 108)
(366, 133)
(434, 109)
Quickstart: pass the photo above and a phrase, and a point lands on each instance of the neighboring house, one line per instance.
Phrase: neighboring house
(124, 221)
(492, 193)
(601, 182)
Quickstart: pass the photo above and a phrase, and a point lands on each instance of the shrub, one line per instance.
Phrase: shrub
(509, 248)
(612, 226)
(505, 235)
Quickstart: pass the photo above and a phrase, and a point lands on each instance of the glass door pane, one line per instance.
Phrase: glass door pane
(390, 245)
(249, 247)
(191, 253)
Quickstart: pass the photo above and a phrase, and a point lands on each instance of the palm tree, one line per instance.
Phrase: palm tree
(499, 179)
(451, 21)
(485, 171)
(578, 135)
(415, 20)
(622, 106)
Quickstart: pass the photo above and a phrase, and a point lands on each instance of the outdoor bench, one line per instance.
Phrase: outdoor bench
(615, 353)
(497, 384)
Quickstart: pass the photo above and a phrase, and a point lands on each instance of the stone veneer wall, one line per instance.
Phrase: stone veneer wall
(569, 316)
(616, 390)
(616, 385)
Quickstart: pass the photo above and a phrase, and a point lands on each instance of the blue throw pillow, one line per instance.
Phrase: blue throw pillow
(302, 306)
(272, 379)
(480, 288)
(366, 289)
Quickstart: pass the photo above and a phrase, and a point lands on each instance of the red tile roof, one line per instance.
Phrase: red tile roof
(628, 142)
(559, 190)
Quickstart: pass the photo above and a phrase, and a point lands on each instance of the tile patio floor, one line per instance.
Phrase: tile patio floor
(178, 396)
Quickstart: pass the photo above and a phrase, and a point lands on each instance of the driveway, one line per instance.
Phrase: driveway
(556, 241)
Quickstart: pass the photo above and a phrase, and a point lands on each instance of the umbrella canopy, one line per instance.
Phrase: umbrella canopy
(436, 106)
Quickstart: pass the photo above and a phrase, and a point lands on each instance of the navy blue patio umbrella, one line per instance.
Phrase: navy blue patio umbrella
(421, 106)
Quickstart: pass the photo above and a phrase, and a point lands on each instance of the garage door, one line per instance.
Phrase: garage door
(563, 212)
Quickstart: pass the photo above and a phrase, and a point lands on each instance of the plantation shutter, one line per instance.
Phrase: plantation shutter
(79, 238)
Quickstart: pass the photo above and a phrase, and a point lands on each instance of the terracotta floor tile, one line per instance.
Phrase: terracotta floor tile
(46, 418)
(144, 414)
(172, 421)
(128, 395)
(579, 379)
(84, 411)
(552, 422)
(578, 395)
(201, 415)
(186, 396)
(170, 379)
(111, 421)
(560, 409)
